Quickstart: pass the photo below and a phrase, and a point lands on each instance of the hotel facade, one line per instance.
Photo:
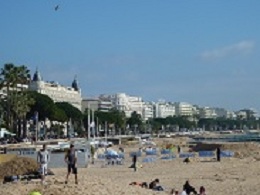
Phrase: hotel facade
(57, 92)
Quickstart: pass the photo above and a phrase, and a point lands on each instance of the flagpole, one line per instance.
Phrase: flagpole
(106, 131)
(97, 127)
(93, 124)
(36, 128)
(88, 122)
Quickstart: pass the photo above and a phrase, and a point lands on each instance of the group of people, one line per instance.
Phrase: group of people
(155, 185)
(188, 189)
(70, 159)
(43, 158)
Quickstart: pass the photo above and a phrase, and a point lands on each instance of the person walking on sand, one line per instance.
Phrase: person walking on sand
(92, 150)
(179, 149)
(218, 154)
(71, 160)
(134, 162)
(43, 159)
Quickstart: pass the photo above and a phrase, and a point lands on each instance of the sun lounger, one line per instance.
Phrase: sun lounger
(207, 154)
(226, 153)
(186, 155)
(149, 159)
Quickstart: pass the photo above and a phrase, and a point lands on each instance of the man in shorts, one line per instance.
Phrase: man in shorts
(71, 160)
(43, 158)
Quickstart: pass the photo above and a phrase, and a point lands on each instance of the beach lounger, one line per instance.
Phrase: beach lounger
(138, 154)
(151, 152)
(166, 151)
(207, 154)
(186, 155)
(226, 153)
(168, 157)
(149, 159)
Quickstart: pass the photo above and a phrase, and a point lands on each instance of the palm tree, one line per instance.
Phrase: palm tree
(7, 81)
(14, 79)
(23, 78)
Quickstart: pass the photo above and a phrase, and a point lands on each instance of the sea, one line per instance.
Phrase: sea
(230, 138)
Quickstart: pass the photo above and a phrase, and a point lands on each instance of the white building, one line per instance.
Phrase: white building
(126, 103)
(184, 109)
(223, 113)
(96, 104)
(148, 110)
(164, 109)
(207, 112)
(57, 92)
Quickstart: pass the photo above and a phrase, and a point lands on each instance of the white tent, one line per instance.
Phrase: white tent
(4, 132)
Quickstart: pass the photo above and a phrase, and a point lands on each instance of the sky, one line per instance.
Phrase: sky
(201, 52)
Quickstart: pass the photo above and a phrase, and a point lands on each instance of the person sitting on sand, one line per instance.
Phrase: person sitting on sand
(202, 190)
(183, 192)
(154, 185)
(186, 160)
(174, 192)
(188, 188)
(141, 184)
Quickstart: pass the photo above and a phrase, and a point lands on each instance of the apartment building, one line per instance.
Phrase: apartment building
(184, 109)
(164, 109)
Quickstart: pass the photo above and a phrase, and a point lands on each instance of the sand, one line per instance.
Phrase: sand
(16, 165)
(231, 176)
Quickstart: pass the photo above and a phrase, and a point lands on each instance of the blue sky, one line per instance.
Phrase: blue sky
(202, 52)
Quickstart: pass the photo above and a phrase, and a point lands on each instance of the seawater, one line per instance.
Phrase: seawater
(232, 138)
(57, 160)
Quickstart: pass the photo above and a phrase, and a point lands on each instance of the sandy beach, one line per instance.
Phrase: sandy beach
(232, 176)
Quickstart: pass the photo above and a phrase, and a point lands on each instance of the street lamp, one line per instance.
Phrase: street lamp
(2, 117)
(135, 128)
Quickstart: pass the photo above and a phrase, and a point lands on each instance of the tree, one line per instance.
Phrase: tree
(45, 106)
(135, 121)
(73, 114)
(118, 119)
(71, 111)
(16, 102)
(8, 81)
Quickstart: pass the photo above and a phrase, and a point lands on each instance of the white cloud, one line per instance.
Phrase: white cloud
(243, 47)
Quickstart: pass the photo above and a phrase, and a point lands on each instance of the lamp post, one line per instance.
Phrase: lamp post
(88, 122)
(36, 117)
(2, 117)
(135, 128)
